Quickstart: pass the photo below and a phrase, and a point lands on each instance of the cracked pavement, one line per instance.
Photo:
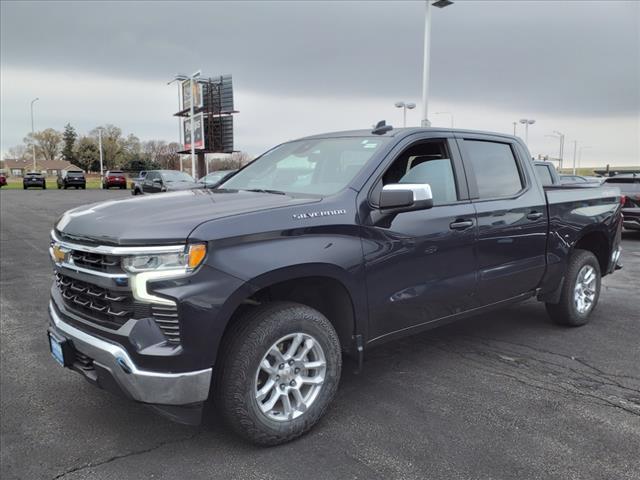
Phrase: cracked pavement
(504, 395)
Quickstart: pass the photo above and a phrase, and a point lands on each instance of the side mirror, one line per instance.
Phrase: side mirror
(405, 197)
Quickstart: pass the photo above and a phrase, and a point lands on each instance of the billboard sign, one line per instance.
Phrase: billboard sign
(188, 94)
(198, 126)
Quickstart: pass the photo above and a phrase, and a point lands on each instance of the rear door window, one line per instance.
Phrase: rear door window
(544, 174)
(495, 167)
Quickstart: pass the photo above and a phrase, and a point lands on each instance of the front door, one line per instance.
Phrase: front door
(421, 266)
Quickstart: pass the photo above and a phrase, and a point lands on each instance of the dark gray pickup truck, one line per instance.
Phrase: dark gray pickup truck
(246, 297)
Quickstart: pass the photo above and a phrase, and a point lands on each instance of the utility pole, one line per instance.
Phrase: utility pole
(575, 150)
(514, 128)
(33, 139)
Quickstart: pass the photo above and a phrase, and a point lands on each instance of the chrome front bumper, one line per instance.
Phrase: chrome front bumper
(144, 386)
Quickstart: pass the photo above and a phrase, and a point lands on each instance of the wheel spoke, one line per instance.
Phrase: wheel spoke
(314, 365)
(286, 405)
(317, 380)
(264, 391)
(308, 345)
(295, 344)
(267, 367)
(268, 406)
(300, 405)
(277, 354)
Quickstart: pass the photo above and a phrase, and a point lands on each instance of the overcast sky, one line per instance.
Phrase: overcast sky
(309, 67)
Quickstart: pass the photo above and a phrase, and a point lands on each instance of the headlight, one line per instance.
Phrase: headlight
(189, 260)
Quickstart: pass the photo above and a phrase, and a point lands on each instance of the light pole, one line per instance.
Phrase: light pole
(427, 57)
(559, 135)
(515, 124)
(405, 106)
(580, 153)
(100, 149)
(575, 150)
(527, 122)
(447, 113)
(33, 139)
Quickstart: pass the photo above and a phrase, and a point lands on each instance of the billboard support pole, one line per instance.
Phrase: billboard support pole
(193, 131)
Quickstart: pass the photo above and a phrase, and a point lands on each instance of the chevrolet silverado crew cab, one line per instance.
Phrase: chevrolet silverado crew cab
(246, 297)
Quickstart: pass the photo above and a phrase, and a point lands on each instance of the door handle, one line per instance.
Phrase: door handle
(534, 215)
(461, 224)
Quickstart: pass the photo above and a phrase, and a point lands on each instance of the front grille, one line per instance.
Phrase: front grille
(96, 261)
(112, 309)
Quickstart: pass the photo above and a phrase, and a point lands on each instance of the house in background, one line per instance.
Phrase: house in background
(50, 168)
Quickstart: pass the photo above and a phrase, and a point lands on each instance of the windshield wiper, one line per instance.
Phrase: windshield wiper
(264, 190)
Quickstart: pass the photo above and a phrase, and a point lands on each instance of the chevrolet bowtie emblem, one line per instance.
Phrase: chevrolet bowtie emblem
(59, 253)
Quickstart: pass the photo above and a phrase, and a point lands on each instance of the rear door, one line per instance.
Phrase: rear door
(511, 214)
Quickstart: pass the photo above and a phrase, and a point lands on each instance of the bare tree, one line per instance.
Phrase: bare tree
(48, 143)
(240, 159)
(19, 152)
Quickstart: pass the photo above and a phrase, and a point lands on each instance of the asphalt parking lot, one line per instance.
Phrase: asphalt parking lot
(506, 395)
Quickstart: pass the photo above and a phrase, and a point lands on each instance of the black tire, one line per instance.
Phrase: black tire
(84, 187)
(24, 186)
(565, 312)
(59, 186)
(123, 187)
(44, 187)
(240, 354)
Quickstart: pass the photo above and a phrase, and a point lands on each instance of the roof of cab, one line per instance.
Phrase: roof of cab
(401, 133)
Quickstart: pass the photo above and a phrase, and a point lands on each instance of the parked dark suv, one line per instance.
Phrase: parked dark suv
(68, 179)
(34, 179)
(114, 178)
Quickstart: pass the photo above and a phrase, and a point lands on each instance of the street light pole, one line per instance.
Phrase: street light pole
(561, 135)
(514, 128)
(427, 57)
(575, 150)
(100, 148)
(527, 122)
(405, 106)
(33, 139)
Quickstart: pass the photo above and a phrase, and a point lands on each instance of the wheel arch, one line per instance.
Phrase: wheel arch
(326, 288)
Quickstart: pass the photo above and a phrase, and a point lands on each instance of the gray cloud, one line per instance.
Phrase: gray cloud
(569, 58)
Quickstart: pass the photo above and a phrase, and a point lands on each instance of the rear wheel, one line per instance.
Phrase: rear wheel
(278, 371)
(44, 186)
(580, 291)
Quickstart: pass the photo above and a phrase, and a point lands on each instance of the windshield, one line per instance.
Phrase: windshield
(319, 166)
(176, 177)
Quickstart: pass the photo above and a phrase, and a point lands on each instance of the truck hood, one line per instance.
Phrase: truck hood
(163, 218)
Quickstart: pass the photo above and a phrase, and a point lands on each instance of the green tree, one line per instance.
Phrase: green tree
(87, 154)
(112, 143)
(68, 140)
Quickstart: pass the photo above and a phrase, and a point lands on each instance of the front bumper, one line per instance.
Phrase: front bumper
(111, 360)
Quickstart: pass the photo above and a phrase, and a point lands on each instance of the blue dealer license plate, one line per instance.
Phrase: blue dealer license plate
(56, 350)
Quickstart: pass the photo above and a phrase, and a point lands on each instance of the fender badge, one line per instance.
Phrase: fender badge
(324, 213)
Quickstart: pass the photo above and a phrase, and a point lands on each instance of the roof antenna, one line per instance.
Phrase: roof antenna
(381, 128)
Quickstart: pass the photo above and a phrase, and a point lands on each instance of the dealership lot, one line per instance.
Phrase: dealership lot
(505, 395)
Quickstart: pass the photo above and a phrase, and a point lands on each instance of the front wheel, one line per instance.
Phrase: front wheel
(580, 291)
(277, 372)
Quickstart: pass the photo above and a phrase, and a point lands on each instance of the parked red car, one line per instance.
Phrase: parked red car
(3, 180)
(114, 178)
